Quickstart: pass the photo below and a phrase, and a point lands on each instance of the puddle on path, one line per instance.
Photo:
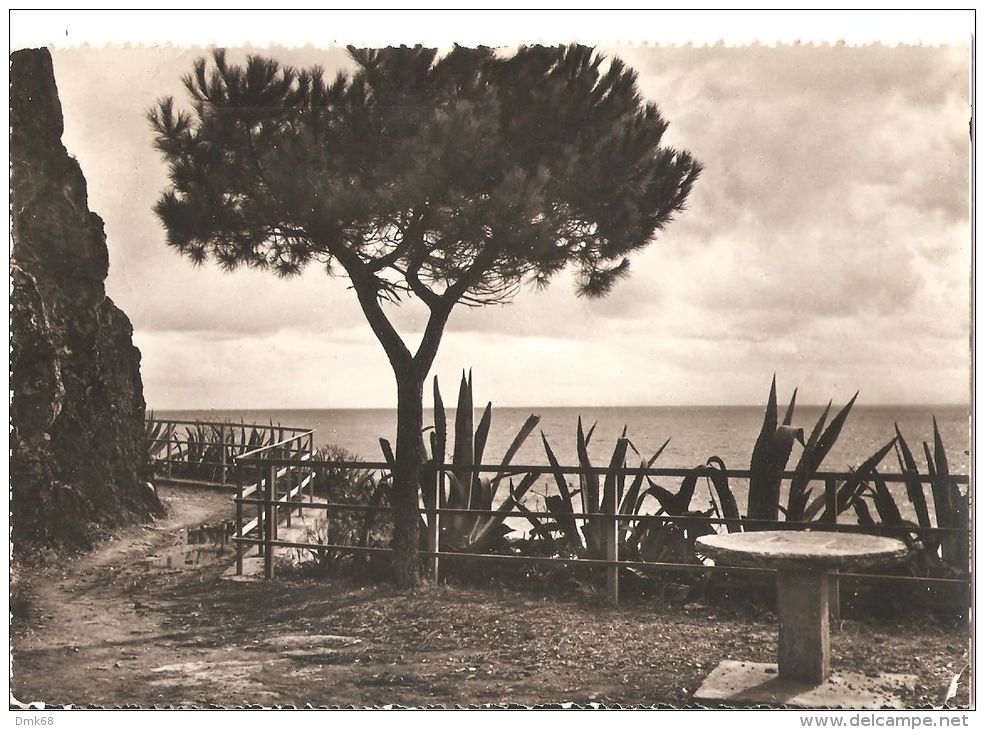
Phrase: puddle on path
(204, 545)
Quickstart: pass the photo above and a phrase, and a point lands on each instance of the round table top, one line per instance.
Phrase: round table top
(799, 549)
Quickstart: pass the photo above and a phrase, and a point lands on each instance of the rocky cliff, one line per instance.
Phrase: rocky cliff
(77, 407)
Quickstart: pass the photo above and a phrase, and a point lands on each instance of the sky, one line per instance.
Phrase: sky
(827, 241)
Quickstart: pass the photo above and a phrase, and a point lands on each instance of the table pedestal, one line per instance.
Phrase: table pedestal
(805, 641)
(804, 561)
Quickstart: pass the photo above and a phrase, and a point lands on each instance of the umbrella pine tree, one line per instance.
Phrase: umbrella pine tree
(447, 179)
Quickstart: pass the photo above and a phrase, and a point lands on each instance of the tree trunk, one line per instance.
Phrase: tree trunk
(410, 372)
(406, 478)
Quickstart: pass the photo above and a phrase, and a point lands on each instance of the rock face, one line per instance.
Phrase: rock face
(77, 455)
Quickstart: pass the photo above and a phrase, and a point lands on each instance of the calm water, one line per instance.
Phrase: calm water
(695, 433)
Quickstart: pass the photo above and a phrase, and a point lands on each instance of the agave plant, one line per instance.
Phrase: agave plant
(863, 487)
(636, 537)
(666, 540)
(769, 459)
(204, 446)
(772, 452)
(848, 491)
(819, 443)
(156, 436)
(933, 555)
(192, 450)
(463, 486)
(717, 474)
(594, 494)
(950, 505)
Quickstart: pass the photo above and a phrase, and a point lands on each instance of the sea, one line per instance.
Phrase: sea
(696, 433)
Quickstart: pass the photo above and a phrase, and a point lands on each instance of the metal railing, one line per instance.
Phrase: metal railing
(205, 452)
(283, 471)
(267, 497)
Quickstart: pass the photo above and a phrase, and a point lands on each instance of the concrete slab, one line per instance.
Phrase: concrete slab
(757, 683)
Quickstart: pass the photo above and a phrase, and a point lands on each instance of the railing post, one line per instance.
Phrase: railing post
(831, 515)
(274, 508)
(270, 523)
(311, 456)
(239, 525)
(300, 481)
(170, 436)
(222, 453)
(289, 484)
(261, 522)
(434, 526)
(610, 539)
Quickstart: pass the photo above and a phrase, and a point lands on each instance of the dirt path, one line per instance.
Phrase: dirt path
(110, 629)
(88, 632)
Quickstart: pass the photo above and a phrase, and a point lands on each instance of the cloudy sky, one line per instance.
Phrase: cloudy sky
(828, 241)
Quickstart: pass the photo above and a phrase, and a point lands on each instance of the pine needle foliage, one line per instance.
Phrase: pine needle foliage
(456, 176)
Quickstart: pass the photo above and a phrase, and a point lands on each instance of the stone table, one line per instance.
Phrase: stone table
(803, 561)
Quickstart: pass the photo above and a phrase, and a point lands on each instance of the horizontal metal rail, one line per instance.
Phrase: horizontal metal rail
(663, 518)
(265, 499)
(184, 462)
(515, 470)
(228, 424)
(312, 545)
(198, 442)
(174, 460)
(568, 561)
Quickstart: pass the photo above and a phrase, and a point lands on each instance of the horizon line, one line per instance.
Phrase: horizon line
(944, 404)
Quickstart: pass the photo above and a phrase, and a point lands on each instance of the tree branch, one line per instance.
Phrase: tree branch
(483, 260)
(426, 351)
(426, 295)
(366, 284)
(443, 305)
(389, 259)
(409, 237)
(395, 348)
(411, 245)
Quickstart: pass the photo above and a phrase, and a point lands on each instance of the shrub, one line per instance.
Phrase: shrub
(355, 486)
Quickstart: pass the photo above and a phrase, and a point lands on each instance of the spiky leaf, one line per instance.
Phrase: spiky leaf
(914, 487)
(719, 479)
(850, 489)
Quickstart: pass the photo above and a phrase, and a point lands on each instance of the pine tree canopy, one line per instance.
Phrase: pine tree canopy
(452, 178)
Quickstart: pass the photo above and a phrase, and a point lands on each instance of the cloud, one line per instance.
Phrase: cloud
(828, 239)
